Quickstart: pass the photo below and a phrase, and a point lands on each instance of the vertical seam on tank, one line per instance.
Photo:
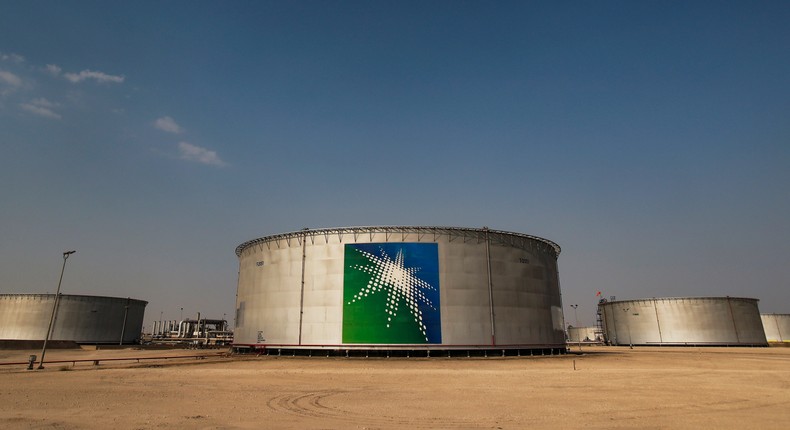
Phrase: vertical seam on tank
(490, 289)
(301, 295)
(658, 322)
(732, 316)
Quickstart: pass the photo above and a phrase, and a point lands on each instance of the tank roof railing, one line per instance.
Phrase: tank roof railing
(651, 299)
(83, 297)
(500, 236)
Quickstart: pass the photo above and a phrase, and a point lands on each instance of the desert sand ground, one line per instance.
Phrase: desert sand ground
(612, 387)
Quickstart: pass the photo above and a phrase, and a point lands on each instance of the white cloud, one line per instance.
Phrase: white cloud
(90, 74)
(10, 79)
(168, 124)
(44, 103)
(197, 154)
(53, 69)
(14, 58)
(9, 83)
(41, 107)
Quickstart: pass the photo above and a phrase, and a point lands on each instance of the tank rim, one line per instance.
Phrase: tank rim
(652, 299)
(397, 229)
(66, 296)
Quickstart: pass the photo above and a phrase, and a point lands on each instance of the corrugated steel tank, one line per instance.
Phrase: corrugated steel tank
(582, 334)
(82, 319)
(399, 287)
(730, 321)
(777, 327)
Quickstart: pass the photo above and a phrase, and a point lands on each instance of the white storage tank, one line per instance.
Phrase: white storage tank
(82, 319)
(725, 321)
(777, 327)
(393, 288)
(583, 334)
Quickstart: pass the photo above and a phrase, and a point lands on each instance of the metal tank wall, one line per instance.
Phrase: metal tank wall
(83, 319)
(777, 327)
(495, 289)
(582, 334)
(684, 321)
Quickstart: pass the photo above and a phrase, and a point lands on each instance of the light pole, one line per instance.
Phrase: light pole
(575, 317)
(54, 308)
(182, 315)
(125, 316)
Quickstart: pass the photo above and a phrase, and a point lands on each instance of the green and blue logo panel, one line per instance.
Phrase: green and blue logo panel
(391, 293)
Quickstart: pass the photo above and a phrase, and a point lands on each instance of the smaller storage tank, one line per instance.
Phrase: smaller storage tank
(583, 334)
(692, 321)
(777, 327)
(82, 319)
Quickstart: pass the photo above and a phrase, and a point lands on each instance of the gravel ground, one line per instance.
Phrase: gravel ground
(611, 387)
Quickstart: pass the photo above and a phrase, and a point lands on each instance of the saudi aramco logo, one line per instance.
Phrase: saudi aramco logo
(391, 293)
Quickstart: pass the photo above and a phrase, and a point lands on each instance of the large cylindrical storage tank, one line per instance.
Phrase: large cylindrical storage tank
(82, 319)
(399, 288)
(724, 321)
(777, 327)
(583, 334)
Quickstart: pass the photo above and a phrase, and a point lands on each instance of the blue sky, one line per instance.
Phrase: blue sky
(649, 139)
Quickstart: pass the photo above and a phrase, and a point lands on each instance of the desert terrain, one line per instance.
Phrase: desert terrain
(611, 387)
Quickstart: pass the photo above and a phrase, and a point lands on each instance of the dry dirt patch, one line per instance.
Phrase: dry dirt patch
(612, 388)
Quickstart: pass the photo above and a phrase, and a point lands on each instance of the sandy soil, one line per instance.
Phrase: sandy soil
(612, 387)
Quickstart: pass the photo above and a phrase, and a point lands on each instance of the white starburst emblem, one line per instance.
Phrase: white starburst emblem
(400, 284)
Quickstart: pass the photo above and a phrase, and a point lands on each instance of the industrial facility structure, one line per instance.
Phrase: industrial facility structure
(583, 334)
(200, 332)
(725, 321)
(82, 319)
(777, 327)
(399, 289)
